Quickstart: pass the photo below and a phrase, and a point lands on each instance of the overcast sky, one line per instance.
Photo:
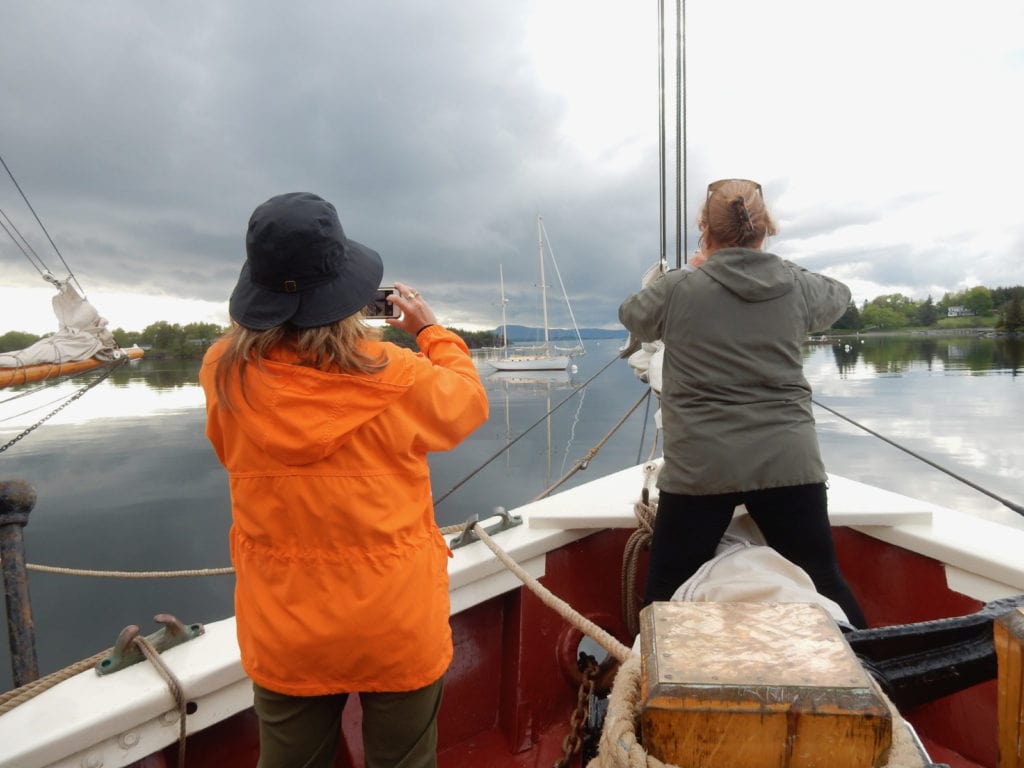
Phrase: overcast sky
(887, 135)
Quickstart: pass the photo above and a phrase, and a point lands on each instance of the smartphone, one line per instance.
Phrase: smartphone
(380, 306)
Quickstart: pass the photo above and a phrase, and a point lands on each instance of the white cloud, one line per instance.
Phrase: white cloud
(885, 135)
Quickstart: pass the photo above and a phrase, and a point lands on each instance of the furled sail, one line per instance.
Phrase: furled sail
(82, 341)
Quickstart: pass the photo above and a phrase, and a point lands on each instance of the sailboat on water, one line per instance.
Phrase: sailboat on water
(538, 357)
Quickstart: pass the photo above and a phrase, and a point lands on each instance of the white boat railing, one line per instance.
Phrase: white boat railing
(114, 720)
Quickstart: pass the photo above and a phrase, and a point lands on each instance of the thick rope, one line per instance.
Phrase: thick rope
(619, 746)
(151, 653)
(13, 698)
(555, 603)
(638, 541)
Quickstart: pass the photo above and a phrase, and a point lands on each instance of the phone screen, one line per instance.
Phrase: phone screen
(380, 306)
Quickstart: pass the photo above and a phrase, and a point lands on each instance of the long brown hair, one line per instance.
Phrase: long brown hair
(336, 347)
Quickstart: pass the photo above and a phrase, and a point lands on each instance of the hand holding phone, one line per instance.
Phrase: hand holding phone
(380, 306)
(415, 312)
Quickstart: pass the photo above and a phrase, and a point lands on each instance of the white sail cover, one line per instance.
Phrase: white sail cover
(81, 335)
(648, 359)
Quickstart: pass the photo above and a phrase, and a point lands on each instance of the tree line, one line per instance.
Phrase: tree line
(1001, 308)
(163, 339)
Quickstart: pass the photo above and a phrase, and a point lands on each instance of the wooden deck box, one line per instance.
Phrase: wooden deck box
(1009, 642)
(756, 685)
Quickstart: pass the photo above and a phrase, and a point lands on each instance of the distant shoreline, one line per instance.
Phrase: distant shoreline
(937, 332)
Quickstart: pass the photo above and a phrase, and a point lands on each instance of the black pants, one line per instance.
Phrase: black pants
(793, 520)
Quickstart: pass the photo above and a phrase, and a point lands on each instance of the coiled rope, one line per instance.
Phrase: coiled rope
(619, 745)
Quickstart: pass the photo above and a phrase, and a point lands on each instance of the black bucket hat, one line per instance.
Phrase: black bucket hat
(300, 268)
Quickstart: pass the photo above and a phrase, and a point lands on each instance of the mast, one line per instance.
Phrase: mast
(504, 321)
(543, 283)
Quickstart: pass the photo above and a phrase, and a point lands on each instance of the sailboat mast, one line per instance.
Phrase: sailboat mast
(543, 282)
(504, 321)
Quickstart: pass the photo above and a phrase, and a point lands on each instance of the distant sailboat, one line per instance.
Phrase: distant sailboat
(541, 357)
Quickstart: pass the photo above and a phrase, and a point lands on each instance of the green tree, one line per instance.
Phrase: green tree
(399, 337)
(12, 341)
(127, 338)
(205, 332)
(1013, 316)
(978, 299)
(902, 306)
(948, 300)
(875, 316)
(850, 321)
(164, 338)
(927, 314)
(473, 339)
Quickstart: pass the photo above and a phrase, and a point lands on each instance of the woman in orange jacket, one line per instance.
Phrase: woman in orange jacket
(324, 429)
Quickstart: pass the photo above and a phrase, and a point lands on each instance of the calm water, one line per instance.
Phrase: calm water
(127, 481)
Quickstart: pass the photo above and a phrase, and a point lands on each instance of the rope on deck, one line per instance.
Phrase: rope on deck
(555, 603)
(13, 698)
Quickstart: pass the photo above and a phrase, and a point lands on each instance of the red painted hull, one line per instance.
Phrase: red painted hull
(509, 692)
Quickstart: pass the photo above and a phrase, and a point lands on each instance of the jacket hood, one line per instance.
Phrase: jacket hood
(292, 411)
(752, 275)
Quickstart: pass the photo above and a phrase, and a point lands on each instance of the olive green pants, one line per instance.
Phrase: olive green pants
(399, 729)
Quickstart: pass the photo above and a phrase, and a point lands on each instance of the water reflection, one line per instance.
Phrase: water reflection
(533, 386)
(896, 355)
(951, 400)
(127, 480)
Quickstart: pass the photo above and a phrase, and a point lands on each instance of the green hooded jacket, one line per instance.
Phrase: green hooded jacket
(736, 407)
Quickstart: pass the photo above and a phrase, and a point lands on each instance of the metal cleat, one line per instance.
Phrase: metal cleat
(126, 652)
(468, 535)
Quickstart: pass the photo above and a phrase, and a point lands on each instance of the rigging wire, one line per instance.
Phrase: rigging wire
(643, 434)
(34, 408)
(99, 378)
(679, 134)
(1006, 502)
(42, 226)
(681, 118)
(23, 245)
(523, 434)
(661, 132)
(24, 393)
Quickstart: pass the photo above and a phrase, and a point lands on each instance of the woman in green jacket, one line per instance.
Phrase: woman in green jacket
(736, 408)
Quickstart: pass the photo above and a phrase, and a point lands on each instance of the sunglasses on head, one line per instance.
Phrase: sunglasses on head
(714, 186)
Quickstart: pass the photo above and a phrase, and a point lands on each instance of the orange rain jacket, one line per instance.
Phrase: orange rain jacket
(341, 571)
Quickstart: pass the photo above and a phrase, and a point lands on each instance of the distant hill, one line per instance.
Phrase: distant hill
(523, 333)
